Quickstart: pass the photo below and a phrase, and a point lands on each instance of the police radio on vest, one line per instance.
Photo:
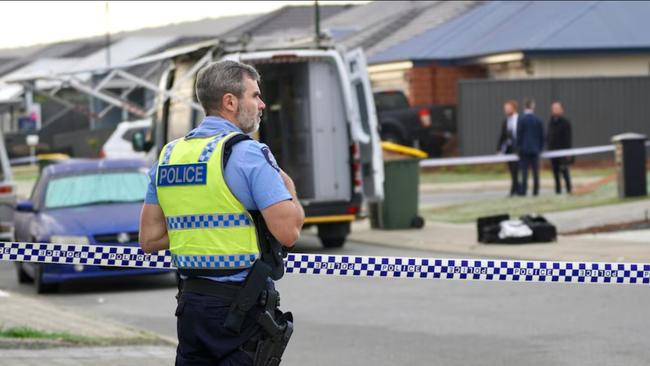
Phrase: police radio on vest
(182, 174)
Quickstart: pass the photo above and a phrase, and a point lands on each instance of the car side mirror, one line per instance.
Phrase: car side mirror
(25, 206)
(137, 141)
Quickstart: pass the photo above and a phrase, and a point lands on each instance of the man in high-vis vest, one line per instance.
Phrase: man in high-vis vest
(223, 207)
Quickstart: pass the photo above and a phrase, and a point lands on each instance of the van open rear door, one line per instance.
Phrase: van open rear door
(372, 164)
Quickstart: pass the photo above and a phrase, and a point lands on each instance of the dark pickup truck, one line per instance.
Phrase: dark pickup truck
(429, 128)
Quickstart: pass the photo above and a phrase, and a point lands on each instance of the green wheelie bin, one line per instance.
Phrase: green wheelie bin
(399, 209)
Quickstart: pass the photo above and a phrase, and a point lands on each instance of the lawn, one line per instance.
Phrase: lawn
(31, 333)
(25, 172)
(65, 338)
(604, 195)
(492, 172)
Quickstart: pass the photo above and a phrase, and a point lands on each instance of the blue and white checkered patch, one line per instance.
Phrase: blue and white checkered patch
(214, 262)
(208, 221)
(168, 152)
(206, 154)
(353, 266)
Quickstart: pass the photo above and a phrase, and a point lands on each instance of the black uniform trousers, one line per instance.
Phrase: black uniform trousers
(529, 161)
(202, 339)
(561, 170)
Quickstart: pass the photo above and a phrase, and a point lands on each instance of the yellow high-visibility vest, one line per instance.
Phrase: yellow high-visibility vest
(208, 227)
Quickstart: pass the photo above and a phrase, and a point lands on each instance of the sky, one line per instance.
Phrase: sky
(28, 23)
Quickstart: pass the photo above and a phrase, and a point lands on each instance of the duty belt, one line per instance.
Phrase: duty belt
(269, 299)
(226, 291)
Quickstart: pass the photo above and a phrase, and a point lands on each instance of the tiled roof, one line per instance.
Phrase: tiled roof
(531, 27)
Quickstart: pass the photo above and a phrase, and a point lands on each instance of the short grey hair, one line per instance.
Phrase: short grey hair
(219, 78)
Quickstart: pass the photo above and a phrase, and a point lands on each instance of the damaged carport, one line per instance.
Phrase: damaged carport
(82, 107)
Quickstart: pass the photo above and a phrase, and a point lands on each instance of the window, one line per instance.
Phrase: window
(385, 101)
(93, 189)
(363, 106)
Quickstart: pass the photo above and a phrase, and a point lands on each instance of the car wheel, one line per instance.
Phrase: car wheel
(42, 288)
(23, 277)
(333, 235)
(332, 241)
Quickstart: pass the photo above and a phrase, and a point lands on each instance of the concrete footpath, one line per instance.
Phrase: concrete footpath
(570, 221)
(19, 310)
(104, 342)
(461, 239)
(95, 356)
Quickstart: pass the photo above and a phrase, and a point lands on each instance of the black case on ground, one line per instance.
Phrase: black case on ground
(489, 227)
(543, 231)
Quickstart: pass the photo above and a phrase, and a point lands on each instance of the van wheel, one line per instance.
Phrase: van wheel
(333, 235)
(23, 277)
(392, 136)
(42, 288)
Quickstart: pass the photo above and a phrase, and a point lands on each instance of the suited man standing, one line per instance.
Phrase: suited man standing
(530, 142)
(507, 143)
(559, 138)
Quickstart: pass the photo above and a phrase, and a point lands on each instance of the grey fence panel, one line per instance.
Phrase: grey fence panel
(597, 107)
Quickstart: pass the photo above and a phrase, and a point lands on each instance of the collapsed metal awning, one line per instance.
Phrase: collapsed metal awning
(96, 82)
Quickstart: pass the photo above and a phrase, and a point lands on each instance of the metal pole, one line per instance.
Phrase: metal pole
(108, 36)
(317, 22)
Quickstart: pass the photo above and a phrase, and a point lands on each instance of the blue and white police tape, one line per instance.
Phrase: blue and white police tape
(354, 266)
(503, 158)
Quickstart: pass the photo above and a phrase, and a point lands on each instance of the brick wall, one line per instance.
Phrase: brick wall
(436, 84)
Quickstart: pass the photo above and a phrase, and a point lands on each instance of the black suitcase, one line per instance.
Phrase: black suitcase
(543, 231)
(488, 228)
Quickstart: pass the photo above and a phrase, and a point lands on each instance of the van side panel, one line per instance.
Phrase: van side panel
(329, 134)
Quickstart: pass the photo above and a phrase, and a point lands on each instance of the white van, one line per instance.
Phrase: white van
(320, 123)
(7, 194)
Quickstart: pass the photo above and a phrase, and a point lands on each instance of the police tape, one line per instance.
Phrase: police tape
(353, 266)
(503, 158)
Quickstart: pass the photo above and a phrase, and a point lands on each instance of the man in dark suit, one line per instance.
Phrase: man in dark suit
(507, 144)
(530, 142)
(558, 138)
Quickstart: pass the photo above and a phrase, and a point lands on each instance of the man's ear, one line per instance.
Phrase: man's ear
(229, 102)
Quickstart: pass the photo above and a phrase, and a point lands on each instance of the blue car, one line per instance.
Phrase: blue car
(93, 202)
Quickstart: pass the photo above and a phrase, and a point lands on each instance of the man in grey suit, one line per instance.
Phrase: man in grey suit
(530, 142)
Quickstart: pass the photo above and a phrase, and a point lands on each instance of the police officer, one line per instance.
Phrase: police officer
(210, 195)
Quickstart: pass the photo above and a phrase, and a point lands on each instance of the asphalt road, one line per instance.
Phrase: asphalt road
(356, 321)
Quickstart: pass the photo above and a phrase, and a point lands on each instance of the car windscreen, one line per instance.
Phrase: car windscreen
(96, 188)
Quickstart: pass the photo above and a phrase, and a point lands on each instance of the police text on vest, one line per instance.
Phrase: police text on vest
(182, 174)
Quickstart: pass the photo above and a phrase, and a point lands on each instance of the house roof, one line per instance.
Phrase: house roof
(31, 54)
(379, 25)
(530, 27)
(125, 49)
(288, 20)
(197, 28)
